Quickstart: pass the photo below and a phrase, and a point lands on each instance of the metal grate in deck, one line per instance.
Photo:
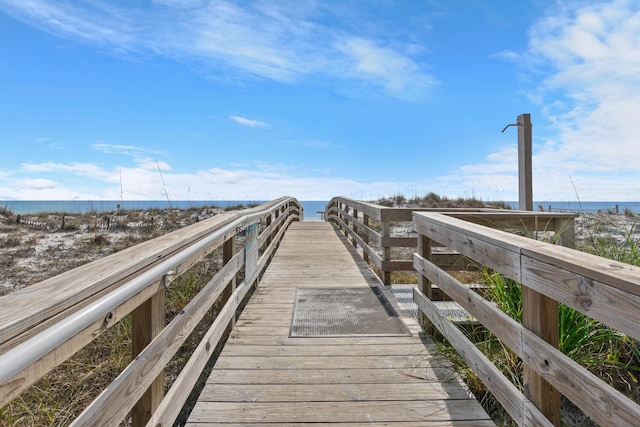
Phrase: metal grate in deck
(360, 311)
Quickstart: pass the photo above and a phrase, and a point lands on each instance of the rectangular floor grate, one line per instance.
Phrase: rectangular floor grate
(321, 312)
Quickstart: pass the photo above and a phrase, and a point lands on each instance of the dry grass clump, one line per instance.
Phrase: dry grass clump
(432, 200)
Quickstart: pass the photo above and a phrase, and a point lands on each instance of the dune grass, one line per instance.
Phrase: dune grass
(606, 352)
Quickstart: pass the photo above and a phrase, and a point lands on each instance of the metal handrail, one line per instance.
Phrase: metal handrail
(16, 359)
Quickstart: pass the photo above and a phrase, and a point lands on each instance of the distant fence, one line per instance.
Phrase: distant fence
(102, 222)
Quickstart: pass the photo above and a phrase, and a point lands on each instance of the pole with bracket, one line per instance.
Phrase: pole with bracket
(539, 312)
(525, 175)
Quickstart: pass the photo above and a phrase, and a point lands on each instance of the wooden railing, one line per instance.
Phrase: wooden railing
(44, 324)
(370, 227)
(604, 290)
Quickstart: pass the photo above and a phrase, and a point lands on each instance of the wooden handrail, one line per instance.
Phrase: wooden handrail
(354, 217)
(98, 289)
(605, 290)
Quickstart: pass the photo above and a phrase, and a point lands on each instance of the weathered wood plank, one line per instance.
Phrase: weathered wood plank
(333, 375)
(344, 411)
(485, 245)
(318, 362)
(381, 348)
(332, 392)
(465, 423)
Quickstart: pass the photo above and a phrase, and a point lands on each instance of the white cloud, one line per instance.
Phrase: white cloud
(593, 54)
(398, 74)
(248, 122)
(585, 60)
(128, 150)
(79, 169)
(285, 42)
(76, 21)
(38, 184)
(252, 181)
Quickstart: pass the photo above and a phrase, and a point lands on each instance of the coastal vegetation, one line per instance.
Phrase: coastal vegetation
(433, 200)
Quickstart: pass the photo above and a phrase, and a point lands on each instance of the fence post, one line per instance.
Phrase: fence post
(267, 224)
(386, 253)
(540, 316)
(365, 237)
(424, 284)
(146, 323)
(355, 228)
(227, 254)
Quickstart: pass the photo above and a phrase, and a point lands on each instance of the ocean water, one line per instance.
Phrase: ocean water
(23, 207)
(312, 208)
(582, 207)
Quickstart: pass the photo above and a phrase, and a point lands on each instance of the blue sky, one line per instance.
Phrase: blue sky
(252, 100)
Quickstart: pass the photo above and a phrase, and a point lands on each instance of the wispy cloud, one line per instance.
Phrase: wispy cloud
(80, 169)
(396, 73)
(268, 39)
(76, 21)
(593, 57)
(585, 61)
(248, 122)
(127, 150)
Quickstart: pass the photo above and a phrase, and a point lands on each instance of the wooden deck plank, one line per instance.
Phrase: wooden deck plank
(466, 423)
(331, 392)
(265, 377)
(343, 411)
(333, 376)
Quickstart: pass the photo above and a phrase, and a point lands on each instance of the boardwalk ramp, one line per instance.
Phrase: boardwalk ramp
(322, 342)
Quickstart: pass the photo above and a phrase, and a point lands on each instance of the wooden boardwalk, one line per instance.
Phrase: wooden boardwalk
(265, 377)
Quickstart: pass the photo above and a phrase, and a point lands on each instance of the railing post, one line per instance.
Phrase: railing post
(365, 237)
(269, 238)
(227, 254)
(147, 321)
(424, 284)
(540, 316)
(386, 253)
(355, 228)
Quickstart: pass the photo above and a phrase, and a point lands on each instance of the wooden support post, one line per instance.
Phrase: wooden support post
(147, 321)
(525, 176)
(424, 284)
(346, 221)
(365, 221)
(386, 253)
(355, 228)
(540, 316)
(227, 254)
(269, 237)
(275, 218)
